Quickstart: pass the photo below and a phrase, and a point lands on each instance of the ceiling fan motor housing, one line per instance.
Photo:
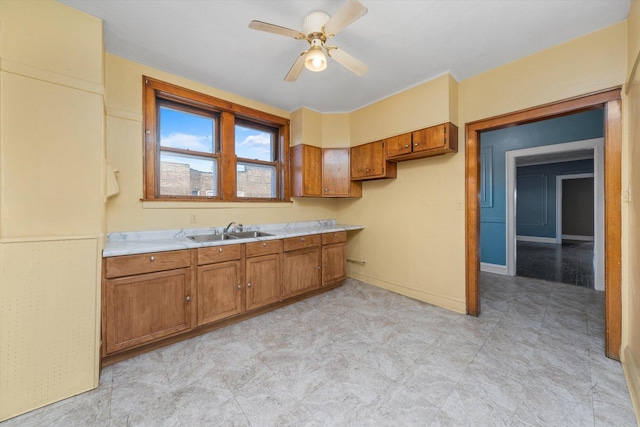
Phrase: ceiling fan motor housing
(314, 22)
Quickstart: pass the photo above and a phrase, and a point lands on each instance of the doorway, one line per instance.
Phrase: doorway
(610, 102)
(560, 151)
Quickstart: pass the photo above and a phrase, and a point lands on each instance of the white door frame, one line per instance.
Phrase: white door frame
(597, 144)
(559, 180)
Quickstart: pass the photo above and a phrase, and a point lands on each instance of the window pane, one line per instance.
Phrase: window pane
(255, 144)
(256, 181)
(187, 175)
(188, 131)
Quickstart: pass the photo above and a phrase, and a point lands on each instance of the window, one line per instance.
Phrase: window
(198, 147)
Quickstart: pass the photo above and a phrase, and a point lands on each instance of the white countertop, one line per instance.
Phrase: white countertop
(140, 242)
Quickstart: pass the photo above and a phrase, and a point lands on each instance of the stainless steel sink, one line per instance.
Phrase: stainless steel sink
(203, 238)
(248, 234)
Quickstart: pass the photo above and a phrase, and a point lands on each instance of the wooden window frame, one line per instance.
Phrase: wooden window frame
(226, 112)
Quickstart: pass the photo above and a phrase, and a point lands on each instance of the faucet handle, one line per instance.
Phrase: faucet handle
(239, 227)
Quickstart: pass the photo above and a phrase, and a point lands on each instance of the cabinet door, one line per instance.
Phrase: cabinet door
(335, 172)
(367, 160)
(219, 291)
(147, 307)
(429, 139)
(306, 167)
(301, 271)
(398, 145)
(264, 284)
(334, 263)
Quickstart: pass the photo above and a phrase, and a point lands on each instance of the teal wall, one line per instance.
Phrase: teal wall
(494, 145)
(536, 205)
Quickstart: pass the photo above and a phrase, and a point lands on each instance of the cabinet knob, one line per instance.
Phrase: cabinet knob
(368, 170)
(239, 286)
(318, 267)
(152, 258)
(220, 250)
(406, 145)
(416, 144)
(302, 239)
(188, 298)
(335, 235)
(264, 245)
(248, 285)
(326, 189)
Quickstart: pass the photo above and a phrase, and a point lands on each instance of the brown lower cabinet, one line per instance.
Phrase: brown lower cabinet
(155, 298)
(263, 268)
(301, 271)
(334, 257)
(146, 307)
(219, 291)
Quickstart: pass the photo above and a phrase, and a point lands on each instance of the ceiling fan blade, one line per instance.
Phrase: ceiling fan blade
(276, 29)
(296, 68)
(351, 11)
(352, 64)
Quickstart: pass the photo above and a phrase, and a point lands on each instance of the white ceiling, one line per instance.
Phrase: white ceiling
(404, 42)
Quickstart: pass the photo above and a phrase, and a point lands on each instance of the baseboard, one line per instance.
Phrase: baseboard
(632, 374)
(536, 239)
(574, 237)
(444, 301)
(493, 268)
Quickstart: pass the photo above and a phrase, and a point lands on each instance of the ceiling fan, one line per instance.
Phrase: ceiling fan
(318, 27)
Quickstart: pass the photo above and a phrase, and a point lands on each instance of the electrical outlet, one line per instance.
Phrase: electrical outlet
(194, 218)
(459, 205)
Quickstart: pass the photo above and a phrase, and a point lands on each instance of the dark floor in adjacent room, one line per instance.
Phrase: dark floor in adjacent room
(570, 263)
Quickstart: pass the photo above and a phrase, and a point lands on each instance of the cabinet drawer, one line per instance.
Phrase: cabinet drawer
(263, 248)
(337, 237)
(129, 265)
(302, 242)
(218, 254)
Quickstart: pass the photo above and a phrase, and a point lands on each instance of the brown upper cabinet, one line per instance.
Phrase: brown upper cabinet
(432, 141)
(319, 172)
(368, 161)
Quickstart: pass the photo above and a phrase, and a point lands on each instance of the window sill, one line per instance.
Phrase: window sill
(180, 204)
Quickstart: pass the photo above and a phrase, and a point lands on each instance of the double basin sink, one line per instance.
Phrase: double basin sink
(203, 238)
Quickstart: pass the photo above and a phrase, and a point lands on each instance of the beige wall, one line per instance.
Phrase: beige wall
(419, 217)
(413, 242)
(631, 296)
(51, 203)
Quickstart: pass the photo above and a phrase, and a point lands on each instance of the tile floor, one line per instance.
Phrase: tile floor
(571, 262)
(362, 356)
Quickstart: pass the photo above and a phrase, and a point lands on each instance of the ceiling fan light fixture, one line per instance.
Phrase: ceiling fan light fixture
(315, 60)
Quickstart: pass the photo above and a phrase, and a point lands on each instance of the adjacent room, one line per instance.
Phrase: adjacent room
(322, 212)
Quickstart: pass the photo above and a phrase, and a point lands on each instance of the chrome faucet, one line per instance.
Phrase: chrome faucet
(238, 227)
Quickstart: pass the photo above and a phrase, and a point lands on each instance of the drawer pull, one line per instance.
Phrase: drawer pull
(220, 250)
(152, 258)
(302, 239)
(188, 298)
(264, 245)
